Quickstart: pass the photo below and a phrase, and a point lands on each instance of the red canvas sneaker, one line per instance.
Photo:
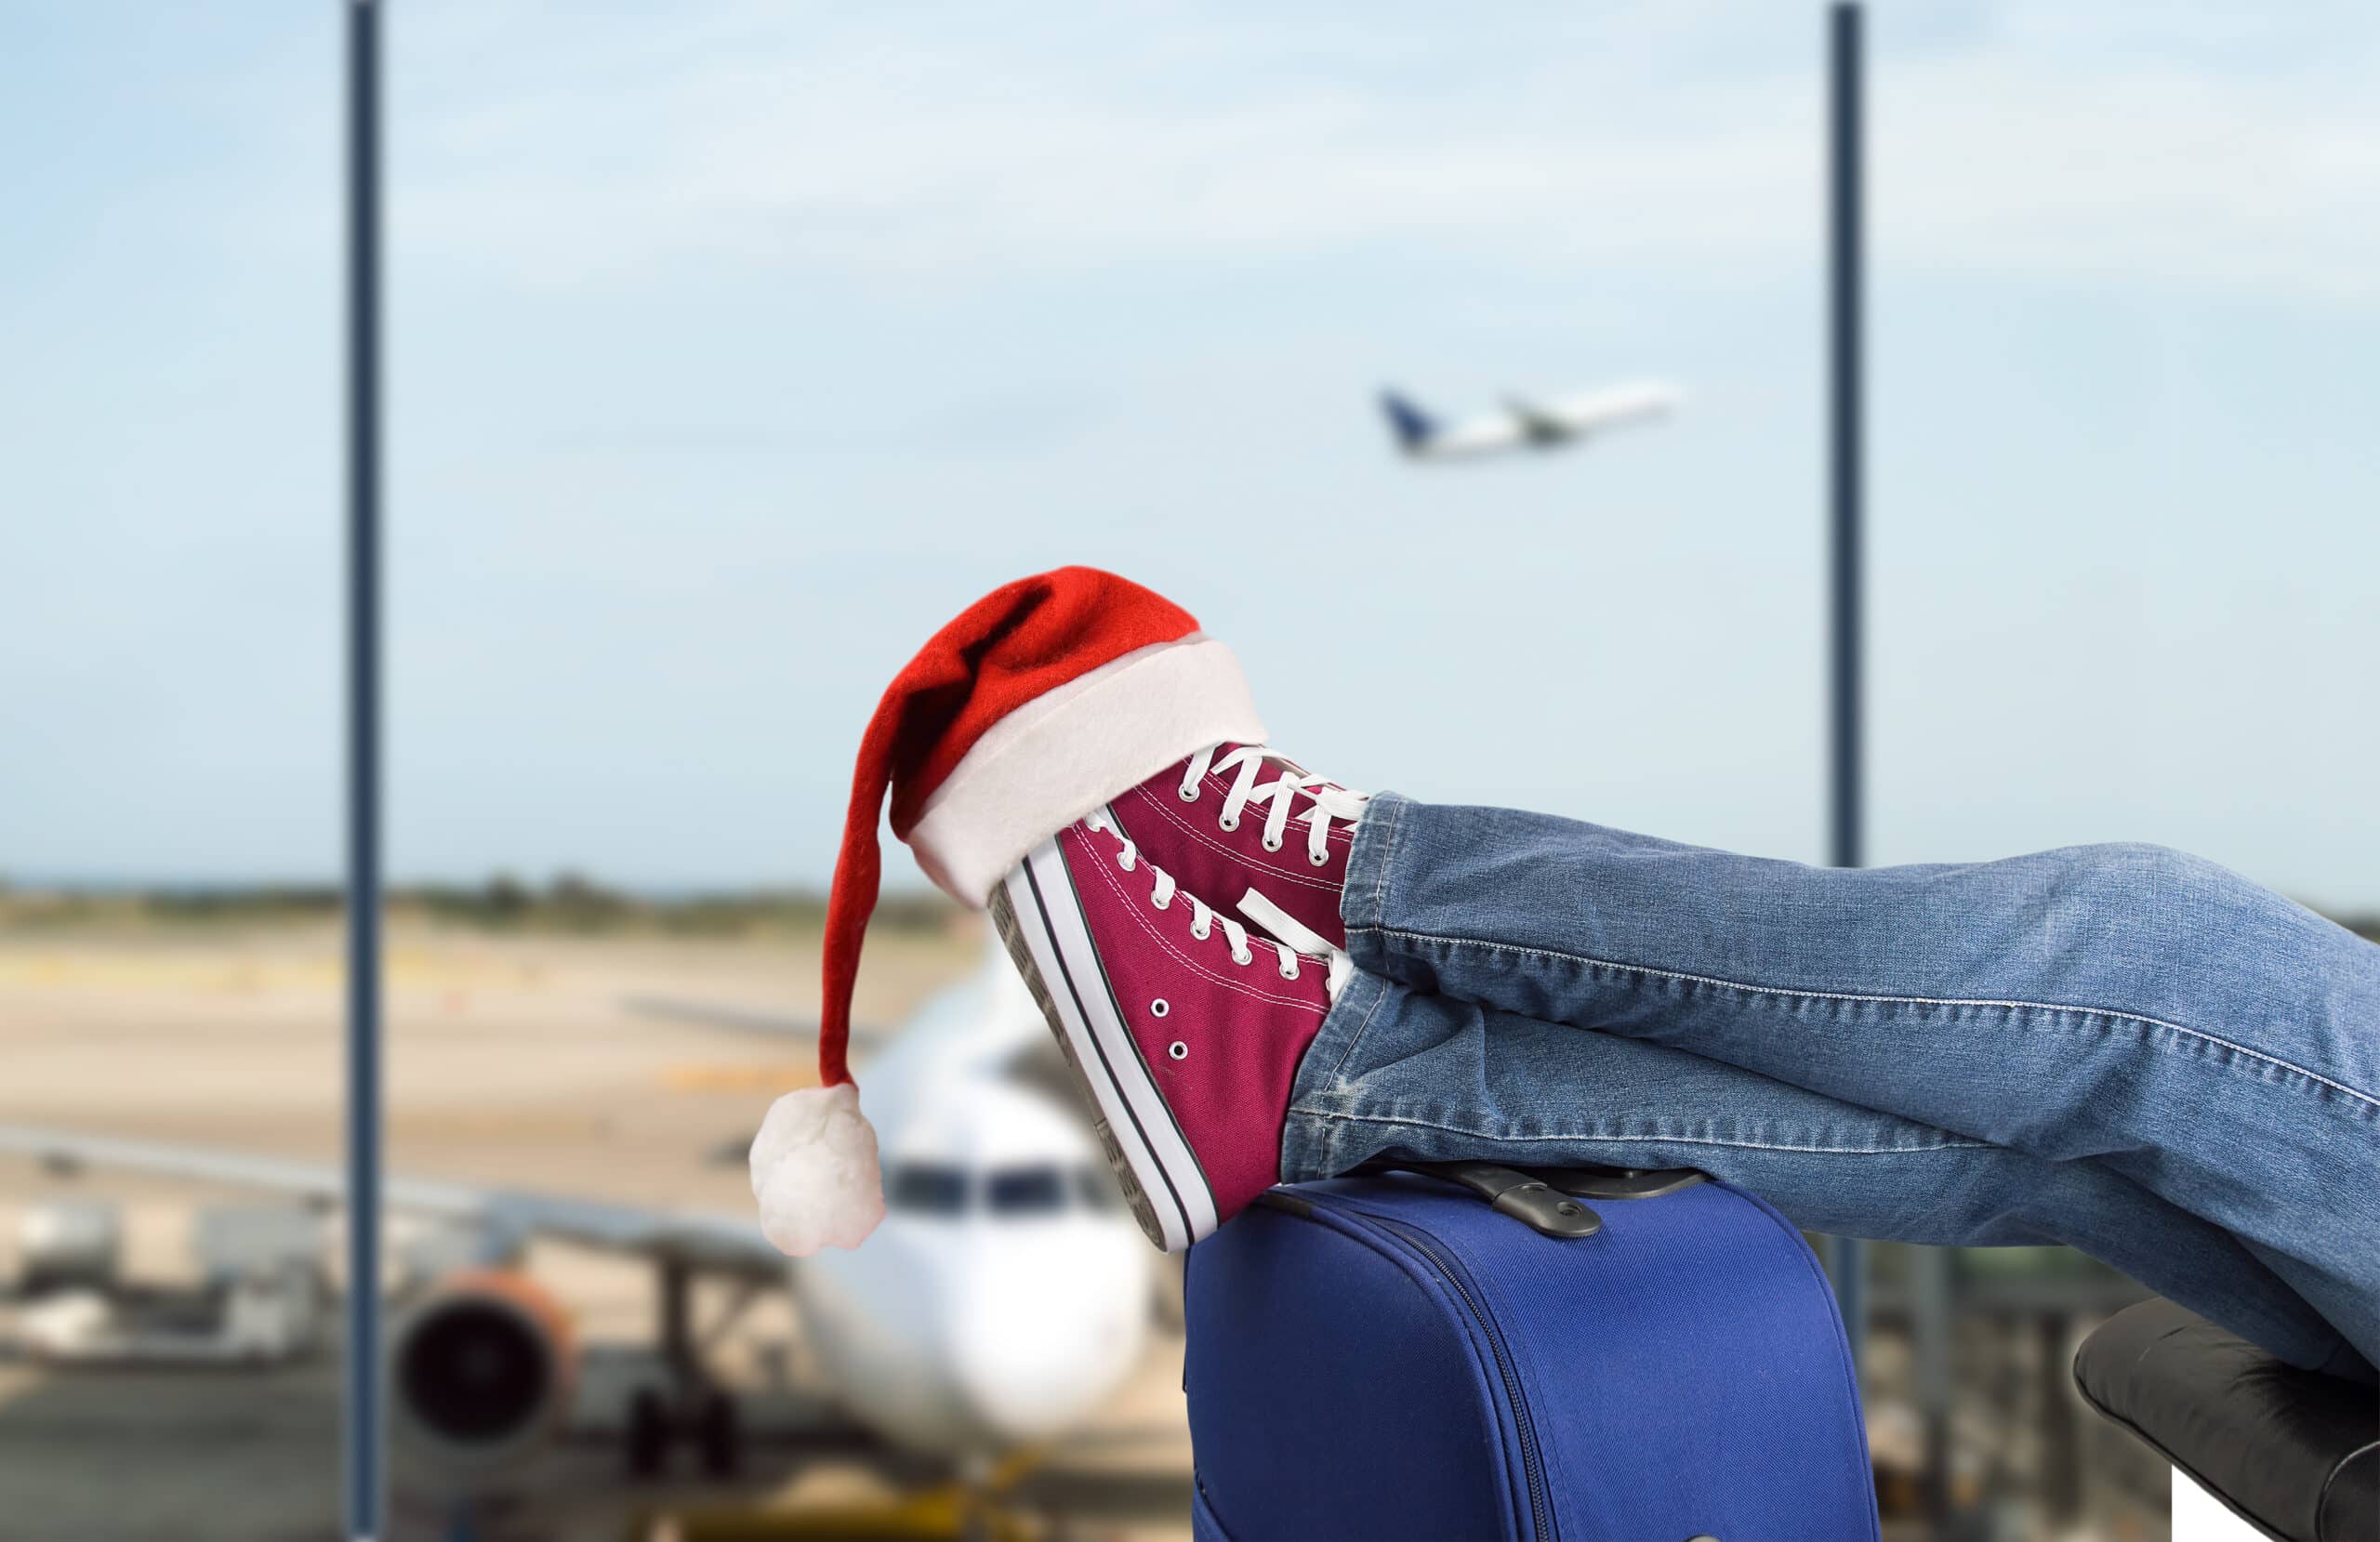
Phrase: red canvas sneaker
(1032, 708)
(1251, 831)
(1186, 1042)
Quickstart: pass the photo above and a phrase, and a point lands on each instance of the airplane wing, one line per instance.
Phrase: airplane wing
(749, 1020)
(1539, 425)
(720, 1244)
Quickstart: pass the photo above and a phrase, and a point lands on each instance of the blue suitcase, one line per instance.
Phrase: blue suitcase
(1593, 1354)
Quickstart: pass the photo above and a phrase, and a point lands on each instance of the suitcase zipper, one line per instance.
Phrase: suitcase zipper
(1532, 1466)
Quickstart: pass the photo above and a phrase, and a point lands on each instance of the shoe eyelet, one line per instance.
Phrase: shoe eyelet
(1318, 859)
(1166, 904)
(1227, 826)
(1290, 973)
(1159, 1006)
(1178, 1049)
(1272, 843)
(1202, 935)
(1188, 792)
(1243, 960)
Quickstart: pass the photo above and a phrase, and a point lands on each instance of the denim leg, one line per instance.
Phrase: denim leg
(1396, 1072)
(2124, 1009)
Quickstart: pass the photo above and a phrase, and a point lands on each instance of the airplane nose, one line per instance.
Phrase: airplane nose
(1038, 1356)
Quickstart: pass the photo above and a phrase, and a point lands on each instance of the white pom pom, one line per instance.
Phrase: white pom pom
(815, 1171)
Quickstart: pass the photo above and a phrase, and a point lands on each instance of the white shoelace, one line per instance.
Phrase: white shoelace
(1304, 939)
(1203, 920)
(1278, 795)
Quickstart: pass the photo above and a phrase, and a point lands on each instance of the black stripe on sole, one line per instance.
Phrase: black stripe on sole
(1005, 921)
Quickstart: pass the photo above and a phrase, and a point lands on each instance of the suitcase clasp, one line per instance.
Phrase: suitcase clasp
(1524, 1196)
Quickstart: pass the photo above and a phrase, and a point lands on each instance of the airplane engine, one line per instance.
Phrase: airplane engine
(481, 1372)
(68, 1243)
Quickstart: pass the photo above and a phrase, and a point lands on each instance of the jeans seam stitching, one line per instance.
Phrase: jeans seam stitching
(1646, 1140)
(1387, 855)
(1646, 971)
(1338, 1079)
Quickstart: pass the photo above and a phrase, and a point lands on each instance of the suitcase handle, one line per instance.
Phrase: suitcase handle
(1547, 1200)
(1622, 1182)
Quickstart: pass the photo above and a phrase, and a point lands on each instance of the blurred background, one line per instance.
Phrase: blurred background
(732, 348)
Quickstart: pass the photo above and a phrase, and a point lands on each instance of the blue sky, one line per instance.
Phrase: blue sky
(735, 347)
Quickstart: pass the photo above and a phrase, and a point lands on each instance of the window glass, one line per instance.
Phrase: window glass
(1027, 1191)
(925, 1189)
(169, 767)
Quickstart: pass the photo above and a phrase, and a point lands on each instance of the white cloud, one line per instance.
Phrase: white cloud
(912, 149)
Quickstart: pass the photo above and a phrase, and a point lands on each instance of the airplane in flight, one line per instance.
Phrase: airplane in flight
(1004, 1297)
(1524, 425)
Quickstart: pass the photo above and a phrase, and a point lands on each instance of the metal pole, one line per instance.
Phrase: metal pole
(364, 1479)
(1929, 1332)
(1844, 198)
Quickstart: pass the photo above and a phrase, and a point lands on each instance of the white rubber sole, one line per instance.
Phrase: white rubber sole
(1039, 918)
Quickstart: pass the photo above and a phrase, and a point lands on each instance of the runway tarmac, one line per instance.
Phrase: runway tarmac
(512, 1060)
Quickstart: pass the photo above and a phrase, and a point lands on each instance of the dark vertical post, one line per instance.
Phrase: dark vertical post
(1844, 196)
(2061, 1440)
(674, 1331)
(364, 1483)
(1929, 1332)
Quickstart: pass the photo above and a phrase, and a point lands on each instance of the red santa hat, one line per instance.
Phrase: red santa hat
(1041, 701)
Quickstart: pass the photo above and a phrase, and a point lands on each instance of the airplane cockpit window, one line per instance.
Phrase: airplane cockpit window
(1027, 1191)
(925, 1189)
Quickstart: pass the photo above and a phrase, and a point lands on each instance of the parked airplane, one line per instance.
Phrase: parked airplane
(1003, 1299)
(1524, 425)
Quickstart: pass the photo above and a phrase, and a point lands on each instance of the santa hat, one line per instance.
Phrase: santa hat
(1042, 701)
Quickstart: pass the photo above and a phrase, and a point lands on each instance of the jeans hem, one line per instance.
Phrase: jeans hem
(1363, 900)
(1307, 1141)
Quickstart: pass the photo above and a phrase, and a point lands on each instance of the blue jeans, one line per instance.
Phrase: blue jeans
(2122, 1049)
